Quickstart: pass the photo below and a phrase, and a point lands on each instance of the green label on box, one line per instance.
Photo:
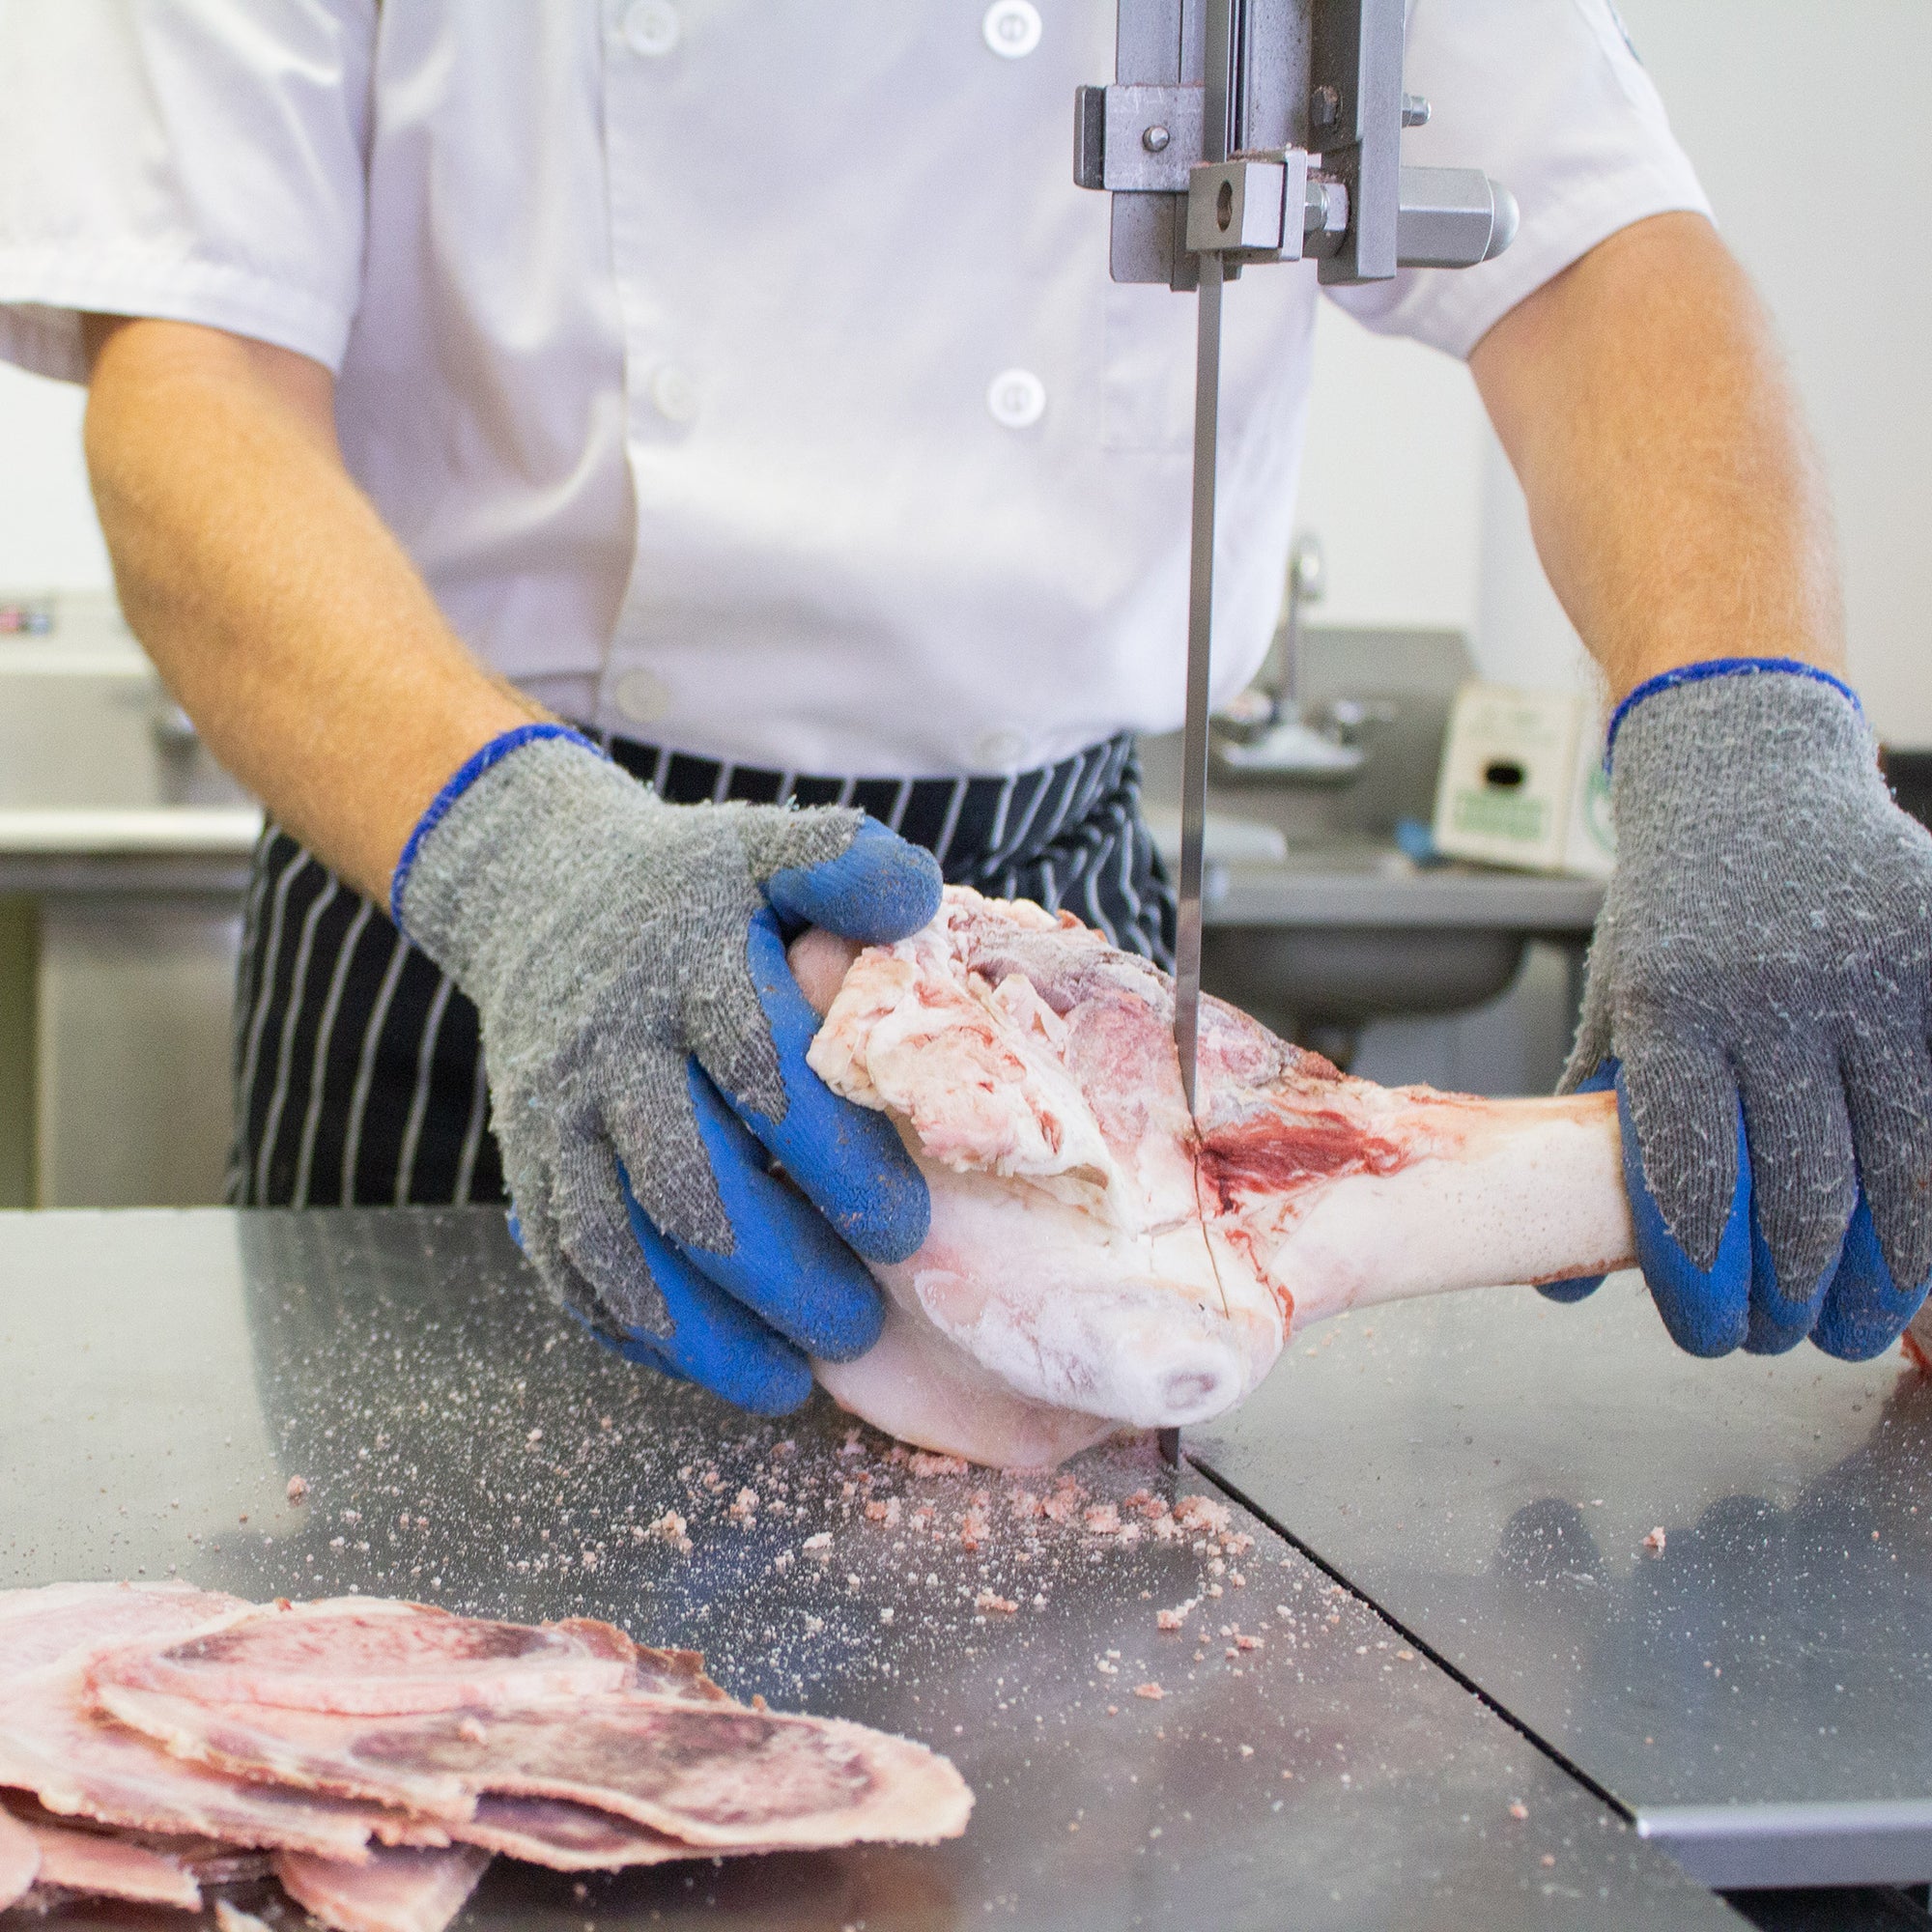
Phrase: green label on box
(1500, 814)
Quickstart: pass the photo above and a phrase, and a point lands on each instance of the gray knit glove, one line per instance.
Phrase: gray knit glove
(1762, 977)
(645, 1047)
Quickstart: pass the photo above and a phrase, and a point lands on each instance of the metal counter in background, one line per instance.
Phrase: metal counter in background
(1753, 1683)
(462, 1441)
(124, 856)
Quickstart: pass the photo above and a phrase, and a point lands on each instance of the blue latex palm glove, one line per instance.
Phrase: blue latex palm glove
(1760, 995)
(646, 1043)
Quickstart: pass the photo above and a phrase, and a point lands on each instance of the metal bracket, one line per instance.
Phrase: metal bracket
(1314, 113)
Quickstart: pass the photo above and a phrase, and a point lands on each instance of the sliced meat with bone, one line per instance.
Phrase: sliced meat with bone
(59, 1621)
(711, 1775)
(19, 1860)
(394, 1891)
(54, 1745)
(1099, 1258)
(374, 1658)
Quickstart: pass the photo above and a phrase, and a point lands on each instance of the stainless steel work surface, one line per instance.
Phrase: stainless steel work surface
(164, 1376)
(1756, 1684)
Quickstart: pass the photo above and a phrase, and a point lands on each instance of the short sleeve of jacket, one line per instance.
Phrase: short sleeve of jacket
(1549, 98)
(202, 160)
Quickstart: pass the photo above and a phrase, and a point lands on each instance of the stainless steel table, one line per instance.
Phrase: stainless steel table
(1757, 1690)
(163, 1375)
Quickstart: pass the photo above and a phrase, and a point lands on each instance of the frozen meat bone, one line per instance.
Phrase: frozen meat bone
(1097, 1257)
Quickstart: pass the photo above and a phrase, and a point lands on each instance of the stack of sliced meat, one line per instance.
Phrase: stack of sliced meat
(158, 1739)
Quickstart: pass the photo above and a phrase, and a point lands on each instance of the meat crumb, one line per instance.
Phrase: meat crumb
(1104, 1519)
(1518, 1809)
(297, 1488)
(1201, 1512)
(1248, 1642)
(1655, 1540)
(670, 1528)
(821, 1540)
(923, 1464)
(1152, 1691)
(987, 1600)
(744, 1505)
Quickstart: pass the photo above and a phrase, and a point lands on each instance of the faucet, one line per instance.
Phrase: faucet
(1307, 584)
(1263, 735)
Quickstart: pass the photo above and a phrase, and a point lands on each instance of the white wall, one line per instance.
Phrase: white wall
(1807, 124)
(48, 536)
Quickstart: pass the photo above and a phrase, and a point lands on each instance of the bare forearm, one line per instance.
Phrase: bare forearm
(282, 614)
(1675, 497)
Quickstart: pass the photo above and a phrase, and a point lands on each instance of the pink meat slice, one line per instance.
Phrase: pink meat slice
(54, 1745)
(717, 1775)
(394, 1892)
(39, 1627)
(19, 1860)
(102, 1864)
(571, 1838)
(374, 1658)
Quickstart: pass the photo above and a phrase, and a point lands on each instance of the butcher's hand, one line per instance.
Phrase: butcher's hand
(1760, 995)
(646, 1046)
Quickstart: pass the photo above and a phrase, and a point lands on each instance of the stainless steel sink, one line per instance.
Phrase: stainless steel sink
(1298, 979)
(124, 853)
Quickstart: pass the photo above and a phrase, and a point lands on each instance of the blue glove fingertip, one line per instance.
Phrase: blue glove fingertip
(787, 1263)
(1706, 1310)
(1777, 1324)
(714, 1340)
(847, 1160)
(881, 888)
(1865, 1311)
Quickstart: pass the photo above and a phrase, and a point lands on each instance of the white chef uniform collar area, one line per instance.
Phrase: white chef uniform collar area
(750, 378)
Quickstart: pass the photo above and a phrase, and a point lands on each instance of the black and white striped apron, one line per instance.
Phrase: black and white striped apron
(359, 1077)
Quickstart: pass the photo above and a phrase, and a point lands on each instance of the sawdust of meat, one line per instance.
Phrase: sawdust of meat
(374, 1756)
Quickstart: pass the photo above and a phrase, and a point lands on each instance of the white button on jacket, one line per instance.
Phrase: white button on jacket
(768, 350)
(651, 27)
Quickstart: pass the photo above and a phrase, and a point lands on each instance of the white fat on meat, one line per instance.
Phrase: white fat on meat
(19, 1860)
(392, 1892)
(1097, 1259)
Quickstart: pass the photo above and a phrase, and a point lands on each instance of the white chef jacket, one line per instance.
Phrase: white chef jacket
(746, 373)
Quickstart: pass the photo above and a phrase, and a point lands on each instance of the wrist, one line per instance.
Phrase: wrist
(1708, 669)
(461, 785)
